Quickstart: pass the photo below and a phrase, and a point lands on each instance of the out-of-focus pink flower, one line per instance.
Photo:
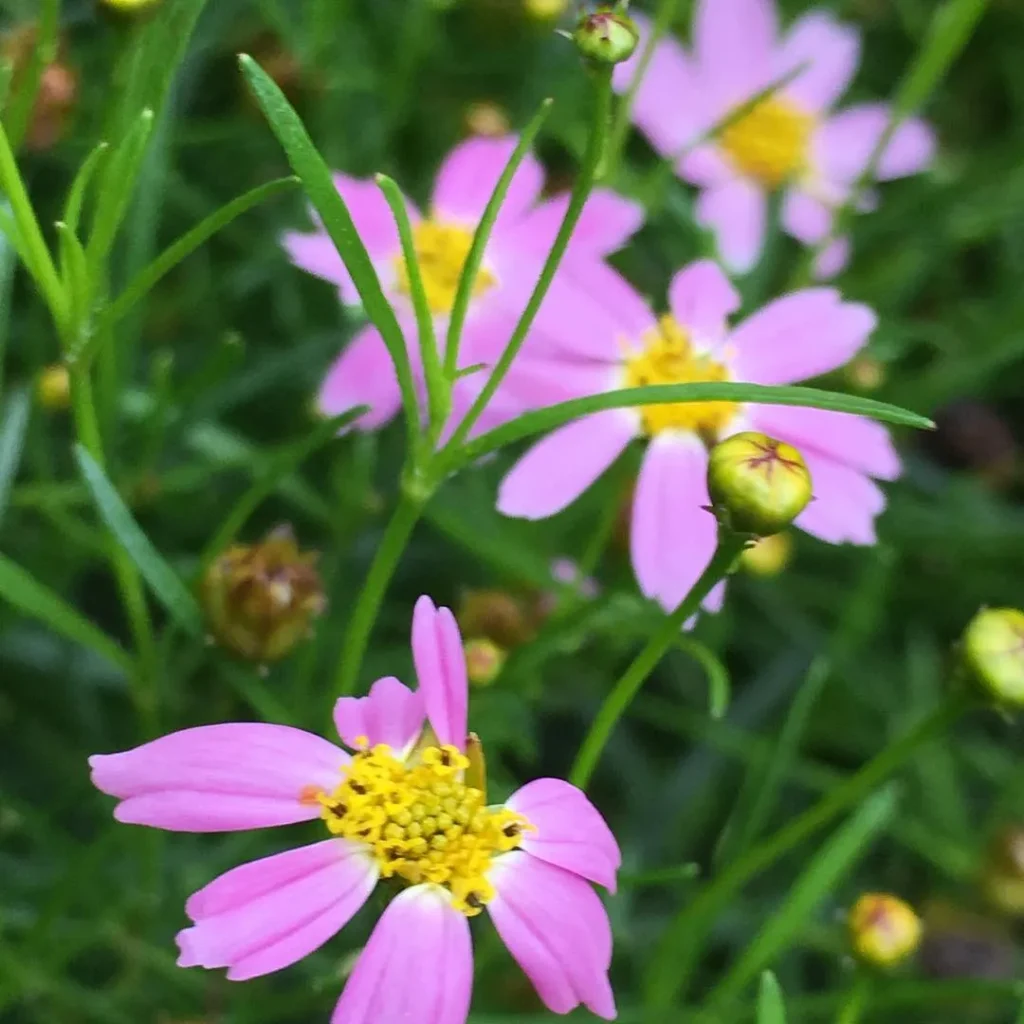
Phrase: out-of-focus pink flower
(400, 806)
(522, 237)
(789, 139)
(619, 343)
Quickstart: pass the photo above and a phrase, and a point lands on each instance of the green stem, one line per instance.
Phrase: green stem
(622, 694)
(396, 536)
(677, 955)
(580, 193)
(856, 1001)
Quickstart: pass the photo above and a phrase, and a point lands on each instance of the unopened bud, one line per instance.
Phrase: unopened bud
(487, 120)
(484, 661)
(884, 931)
(768, 556)
(54, 388)
(606, 36)
(131, 6)
(866, 373)
(992, 655)
(757, 485)
(545, 10)
(501, 617)
(1003, 878)
(261, 599)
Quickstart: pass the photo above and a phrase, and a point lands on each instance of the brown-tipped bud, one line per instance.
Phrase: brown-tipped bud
(261, 599)
(768, 556)
(992, 655)
(501, 617)
(1003, 877)
(53, 389)
(884, 931)
(606, 36)
(758, 485)
(484, 661)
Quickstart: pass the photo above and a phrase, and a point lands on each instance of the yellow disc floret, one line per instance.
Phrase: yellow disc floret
(441, 251)
(771, 142)
(422, 822)
(668, 357)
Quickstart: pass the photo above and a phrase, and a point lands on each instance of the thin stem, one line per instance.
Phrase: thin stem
(396, 536)
(856, 1001)
(580, 193)
(628, 686)
(678, 952)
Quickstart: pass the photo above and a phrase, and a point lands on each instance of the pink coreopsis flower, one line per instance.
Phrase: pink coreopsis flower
(402, 807)
(619, 343)
(519, 244)
(791, 138)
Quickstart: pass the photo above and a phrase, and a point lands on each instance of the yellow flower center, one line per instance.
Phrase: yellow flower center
(441, 251)
(668, 357)
(771, 142)
(422, 822)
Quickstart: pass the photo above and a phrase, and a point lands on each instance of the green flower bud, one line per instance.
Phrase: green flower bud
(261, 599)
(131, 6)
(606, 36)
(884, 931)
(484, 661)
(54, 388)
(757, 485)
(993, 655)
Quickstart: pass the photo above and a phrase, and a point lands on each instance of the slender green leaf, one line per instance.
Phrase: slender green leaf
(12, 439)
(164, 581)
(30, 597)
(719, 686)
(771, 1009)
(74, 273)
(556, 415)
(80, 186)
(144, 281)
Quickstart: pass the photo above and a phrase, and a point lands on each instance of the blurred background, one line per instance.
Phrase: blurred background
(218, 370)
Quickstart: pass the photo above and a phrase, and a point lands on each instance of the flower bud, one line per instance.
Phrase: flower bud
(484, 661)
(545, 10)
(961, 943)
(884, 930)
(757, 485)
(260, 599)
(58, 86)
(768, 556)
(487, 120)
(53, 388)
(992, 654)
(131, 6)
(606, 36)
(501, 617)
(1003, 878)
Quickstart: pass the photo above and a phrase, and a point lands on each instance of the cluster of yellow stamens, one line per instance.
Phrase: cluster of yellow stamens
(668, 357)
(422, 822)
(771, 142)
(441, 251)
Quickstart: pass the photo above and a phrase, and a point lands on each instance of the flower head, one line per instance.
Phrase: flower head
(790, 139)
(606, 36)
(519, 244)
(402, 804)
(618, 342)
(884, 930)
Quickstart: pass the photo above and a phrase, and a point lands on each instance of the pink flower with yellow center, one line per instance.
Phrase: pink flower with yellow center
(520, 242)
(790, 139)
(405, 805)
(619, 343)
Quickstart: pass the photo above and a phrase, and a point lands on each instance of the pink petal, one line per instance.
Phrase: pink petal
(391, 713)
(844, 144)
(362, 375)
(853, 441)
(736, 211)
(417, 967)
(556, 928)
(570, 832)
(845, 503)
(733, 41)
(805, 217)
(468, 178)
(271, 913)
(220, 778)
(705, 166)
(831, 53)
(673, 536)
(800, 335)
(441, 670)
(702, 298)
(832, 259)
(559, 468)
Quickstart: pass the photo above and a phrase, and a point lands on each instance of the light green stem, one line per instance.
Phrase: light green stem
(856, 1001)
(628, 686)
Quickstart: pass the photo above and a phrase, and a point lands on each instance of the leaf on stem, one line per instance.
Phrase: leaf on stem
(12, 439)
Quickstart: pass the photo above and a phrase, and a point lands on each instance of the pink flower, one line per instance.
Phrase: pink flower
(401, 806)
(520, 242)
(790, 139)
(619, 343)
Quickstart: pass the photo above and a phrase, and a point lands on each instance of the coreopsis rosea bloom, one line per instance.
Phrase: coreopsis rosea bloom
(791, 139)
(619, 343)
(405, 805)
(521, 240)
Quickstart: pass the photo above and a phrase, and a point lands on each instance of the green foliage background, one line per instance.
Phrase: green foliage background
(216, 373)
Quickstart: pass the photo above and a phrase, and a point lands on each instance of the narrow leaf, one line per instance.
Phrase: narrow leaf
(12, 439)
(719, 687)
(30, 597)
(80, 186)
(771, 1008)
(162, 579)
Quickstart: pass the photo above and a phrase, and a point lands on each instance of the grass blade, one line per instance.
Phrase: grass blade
(770, 1006)
(80, 186)
(12, 439)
